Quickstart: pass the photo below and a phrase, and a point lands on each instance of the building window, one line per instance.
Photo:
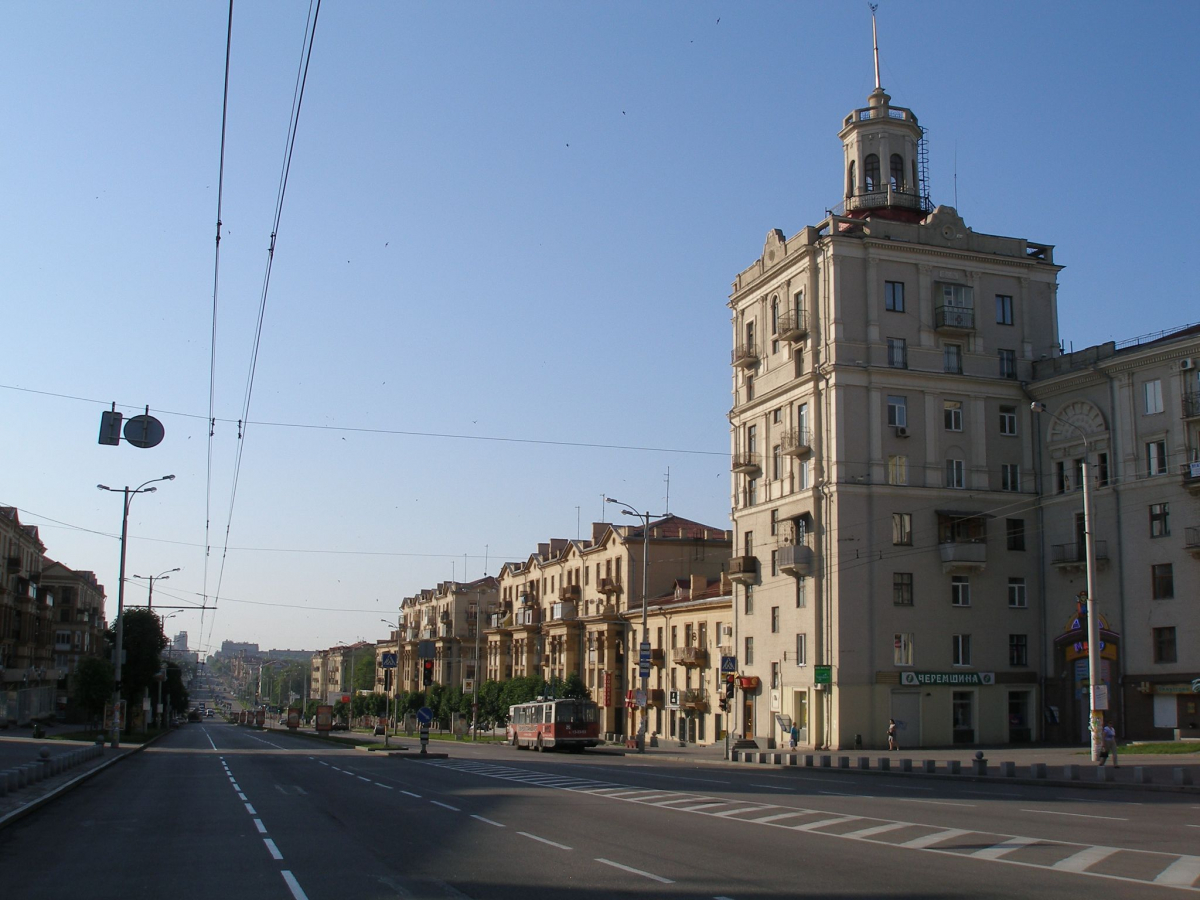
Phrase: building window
(893, 296)
(902, 589)
(1102, 470)
(1162, 581)
(897, 411)
(952, 358)
(774, 563)
(776, 462)
(1004, 315)
(961, 649)
(956, 473)
(1008, 420)
(897, 172)
(902, 653)
(749, 388)
(1010, 477)
(801, 592)
(1156, 457)
(1060, 477)
(952, 415)
(1014, 530)
(1164, 645)
(749, 607)
(1160, 520)
(1018, 650)
(897, 470)
(751, 491)
(776, 416)
(1016, 593)
(774, 620)
(1008, 363)
(749, 651)
(897, 353)
(1152, 390)
(774, 521)
(902, 529)
(802, 649)
(871, 173)
(960, 590)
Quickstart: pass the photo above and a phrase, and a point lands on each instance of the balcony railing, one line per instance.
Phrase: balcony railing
(963, 555)
(796, 560)
(610, 585)
(656, 697)
(793, 324)
(1191, 405)
(689, 656)
(569, 592)
(1191, 539)
(743, 569)
(427, 634)
(746, 463)
(1191, 475)
(1075, 554)
(657, 657)
(745, 356)
(885, 195)
(954, 318)
(795, 442)
(694, 698)
(530, 615)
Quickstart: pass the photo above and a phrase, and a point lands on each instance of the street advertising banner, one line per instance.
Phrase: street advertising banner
(324, 718)
(293, 717)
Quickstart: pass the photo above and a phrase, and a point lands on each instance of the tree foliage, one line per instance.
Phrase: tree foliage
(143, 642)
(93, 684)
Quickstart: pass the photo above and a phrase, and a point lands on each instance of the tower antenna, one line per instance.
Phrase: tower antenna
(875, 42)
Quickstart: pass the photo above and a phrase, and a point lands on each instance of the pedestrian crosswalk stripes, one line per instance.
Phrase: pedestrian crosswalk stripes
(1170, 870)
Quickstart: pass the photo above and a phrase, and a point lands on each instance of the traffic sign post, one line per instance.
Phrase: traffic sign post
(387, 661)
(424, 717)
(728, 664)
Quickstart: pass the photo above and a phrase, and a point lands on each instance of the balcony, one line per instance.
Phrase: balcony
(884, 196)
(657, 657)
(694, 698)
(747, 463)
(1191, 540)
(656, 697)
(1191, 405)
(743, 569)
(796, 560)
(445, 630)
(497, 619)
(745, 356)
(954, 318)
(531, 615)
(689, 656)
(562, 611)
(793, 325)
(1074, 556)
(427, 634)
(963, 557)
(795, 442)
(526, 599)
(610, 586)
(1191, 475)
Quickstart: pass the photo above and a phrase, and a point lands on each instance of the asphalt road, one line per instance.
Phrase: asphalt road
(221, 811)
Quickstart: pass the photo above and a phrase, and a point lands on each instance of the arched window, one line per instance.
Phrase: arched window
(897, 172)
(871, 173)
(852, 186)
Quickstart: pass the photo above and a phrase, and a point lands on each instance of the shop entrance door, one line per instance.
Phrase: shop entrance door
(906, 710)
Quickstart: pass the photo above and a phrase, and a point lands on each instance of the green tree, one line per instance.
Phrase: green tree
(363, 674)
(573, 688)
(492, 710)
(143, 643)
(93, 685)
(174, 693)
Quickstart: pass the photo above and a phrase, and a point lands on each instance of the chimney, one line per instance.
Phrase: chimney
(699, 583)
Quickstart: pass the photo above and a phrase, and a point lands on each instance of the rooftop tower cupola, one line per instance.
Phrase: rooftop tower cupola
(883, 171)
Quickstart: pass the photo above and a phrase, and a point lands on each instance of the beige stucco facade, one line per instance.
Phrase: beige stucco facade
(451, 617)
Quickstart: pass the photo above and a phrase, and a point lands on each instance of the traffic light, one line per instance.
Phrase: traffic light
(427, 672)
(724, 704)
(729, 685)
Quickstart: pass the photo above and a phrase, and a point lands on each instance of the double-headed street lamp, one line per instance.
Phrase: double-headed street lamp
(162, 576)
(129, 493)
(1095, 714)
(395, 678)
(644, 648)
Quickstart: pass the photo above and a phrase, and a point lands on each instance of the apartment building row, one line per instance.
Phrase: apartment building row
(51, 617)
(907, 531)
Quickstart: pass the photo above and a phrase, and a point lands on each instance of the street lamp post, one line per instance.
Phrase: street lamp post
(162, 576)
(129, 493)
(1095, 714)
(644, 648)
(395, 678)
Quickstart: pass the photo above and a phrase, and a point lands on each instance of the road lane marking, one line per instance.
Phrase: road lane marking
(382, 785)
(936, 802)
(250, 809)
(210, 740)
(543, 840)
(821, 823)
(631, 869)
(875, 829)
(411, 794)
(262, 829)
(730, 812)
(446, 805)
(275, 854)
(1180, 873)
(294, 885)
(1084, 859)
(488, 821)
(361, 778)
(771, 787)
(778, 816)
(937, 837)
(706, 805)
(1055, 812)
(841, 794)
(241, 796)
(1011, 845)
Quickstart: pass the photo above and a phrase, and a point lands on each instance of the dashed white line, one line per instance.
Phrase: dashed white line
(1055, 812)
(632, 870)
(821, 823)
(1084, 859)
(875, 829)
(241, 796)
(361, 778)
(445, 805)
(935, 802)
(294, 885)
(488, 821)
(1180, 873)
(275, 854)
(937, 837)
(1011, 845)
(775, 818)
(382, 785)
(262, 829)
(411, 794)
(250, 809)
(534, 837)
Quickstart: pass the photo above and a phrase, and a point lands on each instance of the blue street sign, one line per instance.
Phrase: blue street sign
(389, 661)
(424, 715)
(644, 670)
(729, 664)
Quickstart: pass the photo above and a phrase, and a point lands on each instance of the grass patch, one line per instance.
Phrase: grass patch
(1175, 748)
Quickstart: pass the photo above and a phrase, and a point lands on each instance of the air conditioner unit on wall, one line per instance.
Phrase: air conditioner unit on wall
(901, 431)
(1186, 365)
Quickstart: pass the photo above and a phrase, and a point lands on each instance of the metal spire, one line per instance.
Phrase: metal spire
(875, 42)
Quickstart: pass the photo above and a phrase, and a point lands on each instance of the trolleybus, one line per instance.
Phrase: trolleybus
(546, 724)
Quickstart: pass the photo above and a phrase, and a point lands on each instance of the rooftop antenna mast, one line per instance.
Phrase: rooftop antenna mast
(875, 42)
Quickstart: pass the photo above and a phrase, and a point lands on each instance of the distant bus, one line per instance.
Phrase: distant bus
(547, 724)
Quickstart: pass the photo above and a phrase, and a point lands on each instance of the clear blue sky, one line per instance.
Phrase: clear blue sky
(503, 221)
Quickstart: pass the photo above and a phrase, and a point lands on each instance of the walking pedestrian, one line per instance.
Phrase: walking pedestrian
(794, 735)
(891, 735)
(1110, 745)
